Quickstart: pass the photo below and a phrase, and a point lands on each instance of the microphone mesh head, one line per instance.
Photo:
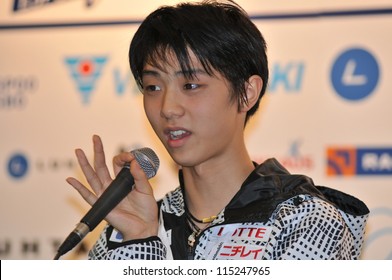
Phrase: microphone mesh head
(147, 160)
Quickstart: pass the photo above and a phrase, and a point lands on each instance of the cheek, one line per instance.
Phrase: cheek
(151, 112)
(217, 110)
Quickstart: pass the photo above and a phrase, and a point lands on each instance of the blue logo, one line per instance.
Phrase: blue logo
(355, 74)
(85, 71)
(122, 82)
(351, 161)
(18, 166)
(289, 76)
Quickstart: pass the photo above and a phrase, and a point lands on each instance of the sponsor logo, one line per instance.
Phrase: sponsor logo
(351, 161)
(355, 74)
(294, 159)
(20, 5)
(18, 166)
(237, 251)
(85, 71)
(14, 91)
(55, 164)
(231, 241)
(28, 247)
(116, 236)
(122, 82)
(287, 76)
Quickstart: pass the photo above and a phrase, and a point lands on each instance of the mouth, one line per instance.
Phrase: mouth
(175, 134)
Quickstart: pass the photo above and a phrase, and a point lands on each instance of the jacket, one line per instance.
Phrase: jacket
(274, 215)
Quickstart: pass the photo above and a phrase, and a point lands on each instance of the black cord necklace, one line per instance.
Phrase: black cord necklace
(195, 228)
(202, 221)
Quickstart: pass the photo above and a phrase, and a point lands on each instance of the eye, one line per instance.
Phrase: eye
(191, 86)
(151, 88)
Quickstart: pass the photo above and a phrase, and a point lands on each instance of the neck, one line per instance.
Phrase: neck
(210, 187)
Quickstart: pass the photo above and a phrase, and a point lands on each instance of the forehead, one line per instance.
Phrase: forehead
(166, 59)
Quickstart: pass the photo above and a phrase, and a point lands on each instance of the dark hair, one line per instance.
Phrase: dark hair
(220, 34)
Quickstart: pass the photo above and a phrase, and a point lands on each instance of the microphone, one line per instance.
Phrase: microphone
(121, 186)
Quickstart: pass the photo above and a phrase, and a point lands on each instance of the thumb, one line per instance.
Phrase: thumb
(142, 184)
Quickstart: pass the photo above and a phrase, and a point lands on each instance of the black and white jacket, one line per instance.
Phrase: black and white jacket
(275, 215)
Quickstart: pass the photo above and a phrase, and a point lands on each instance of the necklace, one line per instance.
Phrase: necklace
(202, 221)
(194, 228)
(195, 231)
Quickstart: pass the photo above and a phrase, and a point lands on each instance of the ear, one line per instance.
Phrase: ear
(252, 89)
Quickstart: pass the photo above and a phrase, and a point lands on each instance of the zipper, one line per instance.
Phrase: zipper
(193, 240)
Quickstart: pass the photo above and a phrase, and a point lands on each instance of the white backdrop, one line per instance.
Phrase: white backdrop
(64, 76)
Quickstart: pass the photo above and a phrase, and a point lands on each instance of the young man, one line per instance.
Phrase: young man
(202, 69)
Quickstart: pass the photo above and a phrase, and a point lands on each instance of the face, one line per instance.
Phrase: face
(195, 118)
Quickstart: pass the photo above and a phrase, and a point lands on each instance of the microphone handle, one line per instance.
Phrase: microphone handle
(121, 186)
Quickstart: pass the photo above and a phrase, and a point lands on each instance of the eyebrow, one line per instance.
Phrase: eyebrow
(150, 73)
(187, 73)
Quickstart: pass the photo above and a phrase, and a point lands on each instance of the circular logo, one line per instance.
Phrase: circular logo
(355, 74)
(18, 166)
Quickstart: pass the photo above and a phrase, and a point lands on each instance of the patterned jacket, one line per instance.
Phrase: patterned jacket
(275, 215)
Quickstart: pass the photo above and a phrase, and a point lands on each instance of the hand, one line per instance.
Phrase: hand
(136, 216)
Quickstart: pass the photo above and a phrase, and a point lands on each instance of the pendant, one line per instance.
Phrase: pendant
(191, 239)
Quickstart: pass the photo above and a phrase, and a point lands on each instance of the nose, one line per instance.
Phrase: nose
(171, 106)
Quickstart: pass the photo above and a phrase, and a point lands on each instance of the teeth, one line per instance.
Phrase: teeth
(177, 133)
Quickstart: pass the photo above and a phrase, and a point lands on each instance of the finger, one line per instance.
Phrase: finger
(120, 160)
(86, 194)
(100, 166)
(142, 185)
(89, 172)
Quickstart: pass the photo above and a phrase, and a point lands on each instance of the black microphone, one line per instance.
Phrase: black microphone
(121, 186)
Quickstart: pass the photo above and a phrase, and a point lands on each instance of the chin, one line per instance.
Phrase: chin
(183, 161)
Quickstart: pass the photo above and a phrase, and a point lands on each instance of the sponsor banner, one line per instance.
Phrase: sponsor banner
(87, 12)
(350, 161)
(326, 113)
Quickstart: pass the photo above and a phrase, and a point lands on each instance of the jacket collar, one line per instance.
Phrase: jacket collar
(271, 184)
